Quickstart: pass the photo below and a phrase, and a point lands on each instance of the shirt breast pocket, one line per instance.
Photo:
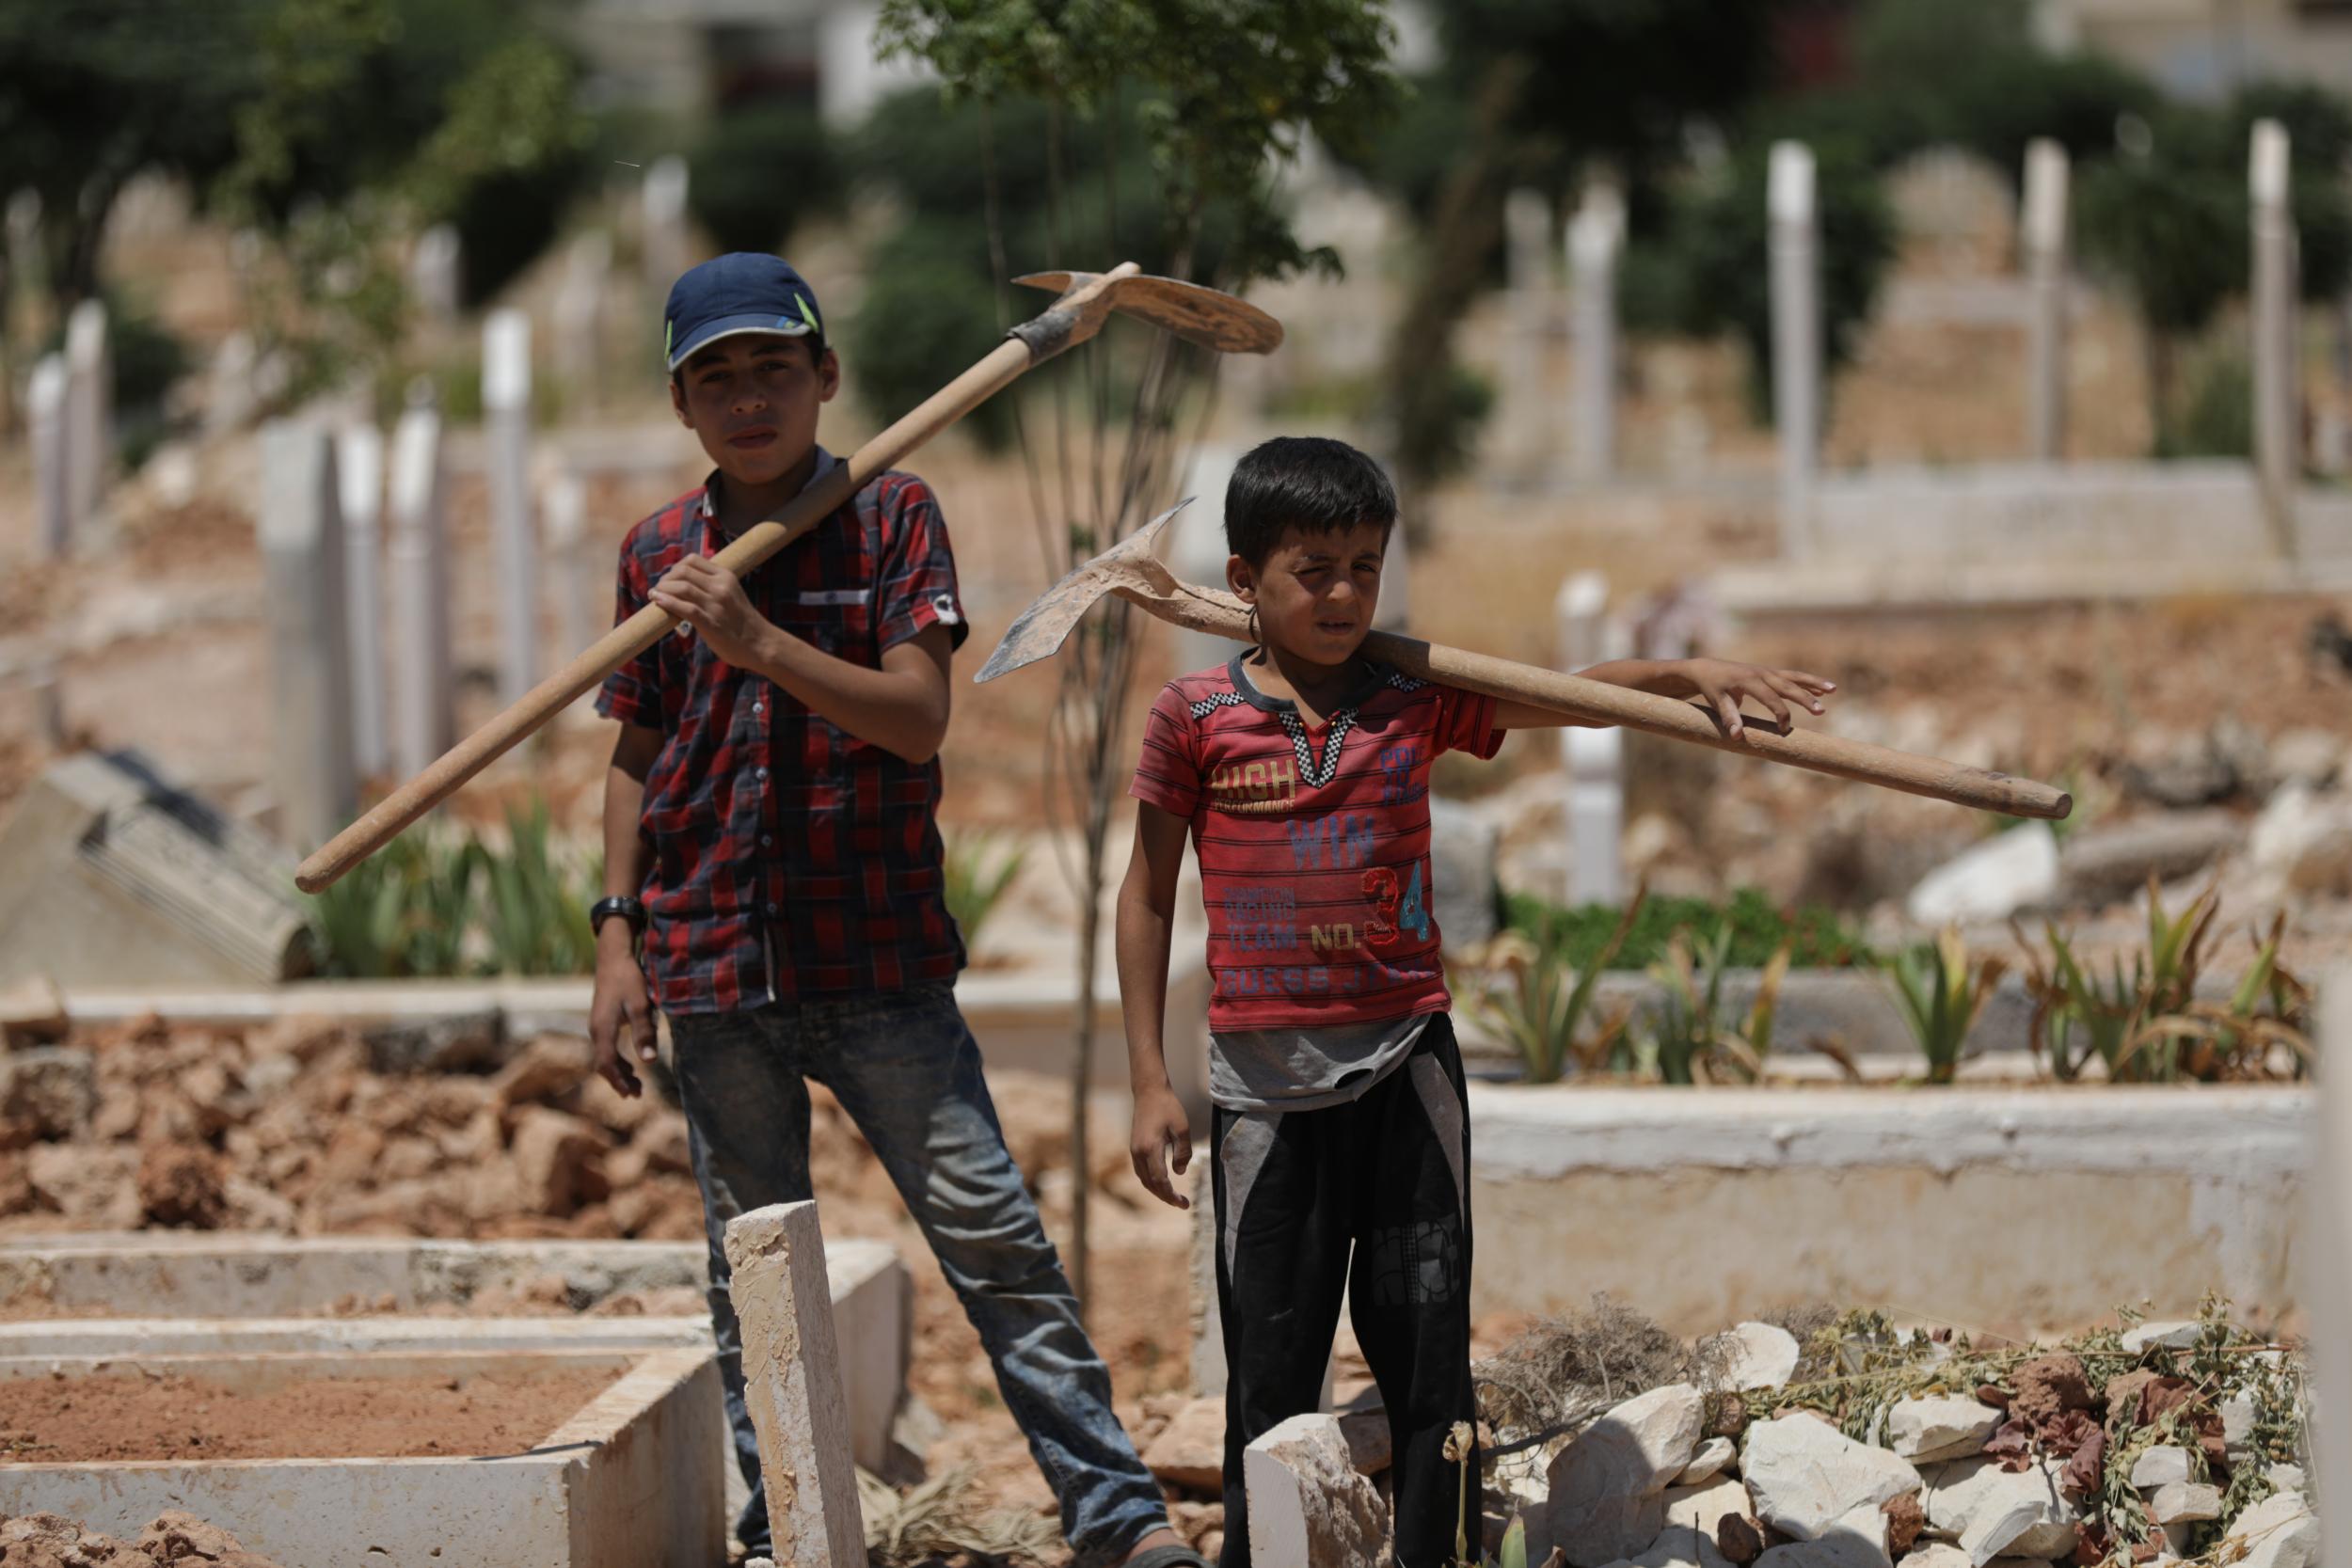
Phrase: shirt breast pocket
(835, 621)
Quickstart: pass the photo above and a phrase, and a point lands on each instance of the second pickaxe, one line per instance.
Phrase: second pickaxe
(1133, 571)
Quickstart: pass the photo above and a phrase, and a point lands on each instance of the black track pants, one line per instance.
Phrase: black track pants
(1372, 1196)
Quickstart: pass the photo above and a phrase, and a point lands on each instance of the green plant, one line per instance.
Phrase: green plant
(1941, 992)
(2070, 1003)
(1692, 1041)
(1547, 998)
(402, 913)
(980, 867)
(537, 910)
(2216, 1039)
(1817, 937)
(448, 903)
(2152, 1027)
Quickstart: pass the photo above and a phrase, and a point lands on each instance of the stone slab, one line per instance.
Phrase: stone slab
(108, 869)
(2097, 1194)
(630, 1481)
(792, 1385)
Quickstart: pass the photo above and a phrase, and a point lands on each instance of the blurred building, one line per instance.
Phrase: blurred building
(692, 57)
(2204, 48)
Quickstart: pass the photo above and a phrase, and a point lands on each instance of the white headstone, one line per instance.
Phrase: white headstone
(302, 552)
(1796, 285)
(664, 240)
(230, 388)
(2045, 233)
(1596, 235)
(359, 471)
(506, 421)
(1529, 418)
(424, 712)
(436, 272)
(45, 416)
(2328, 1258)
(583, 611)
(1595, 757)
(2275, 356)
(88, 408)
(580, 317)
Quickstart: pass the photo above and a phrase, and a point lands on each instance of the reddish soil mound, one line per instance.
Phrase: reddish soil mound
(76, 1420)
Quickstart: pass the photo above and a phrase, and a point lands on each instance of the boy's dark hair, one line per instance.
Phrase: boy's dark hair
(1309, 482)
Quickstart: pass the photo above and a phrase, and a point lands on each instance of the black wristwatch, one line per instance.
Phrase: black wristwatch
(628, 908)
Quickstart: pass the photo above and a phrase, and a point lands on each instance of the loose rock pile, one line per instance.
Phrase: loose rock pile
(1841, 1445)
(295, 1127)
(47, 1541)
(1865, 1448)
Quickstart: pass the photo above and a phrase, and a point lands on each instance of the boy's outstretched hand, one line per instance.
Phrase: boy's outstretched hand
(1162, 1136)
(1722, 682)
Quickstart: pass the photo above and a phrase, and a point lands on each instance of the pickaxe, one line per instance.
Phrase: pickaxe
(1133, 571)
(1204, 316)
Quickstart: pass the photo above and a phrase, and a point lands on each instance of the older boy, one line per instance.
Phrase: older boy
(769, 831)
(1300, 770)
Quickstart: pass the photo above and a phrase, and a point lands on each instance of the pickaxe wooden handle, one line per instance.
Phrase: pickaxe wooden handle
(1204, 316)
(1133, 571)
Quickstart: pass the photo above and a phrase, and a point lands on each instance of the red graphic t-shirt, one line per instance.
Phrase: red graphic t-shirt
(1314, 848)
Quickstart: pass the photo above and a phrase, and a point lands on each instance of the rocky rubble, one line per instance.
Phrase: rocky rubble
(1973, 1460)
(305, 1128)
(290, 1127)
(47, 1541)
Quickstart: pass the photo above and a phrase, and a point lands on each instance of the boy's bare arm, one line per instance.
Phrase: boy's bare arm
(1162, 1134)
(902, 706)
(1722, 682)
(619, 1001)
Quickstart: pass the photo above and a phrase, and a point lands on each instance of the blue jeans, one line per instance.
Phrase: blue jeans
(908, 1071)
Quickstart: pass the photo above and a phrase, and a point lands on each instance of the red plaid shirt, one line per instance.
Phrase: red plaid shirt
(791, 859)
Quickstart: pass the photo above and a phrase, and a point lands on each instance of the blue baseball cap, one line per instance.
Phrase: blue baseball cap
(744, 291)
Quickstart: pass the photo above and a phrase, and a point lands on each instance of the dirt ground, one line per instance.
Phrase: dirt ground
(78, 1421)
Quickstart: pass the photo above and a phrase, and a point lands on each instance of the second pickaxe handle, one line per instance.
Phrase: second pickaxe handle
(1223, 615)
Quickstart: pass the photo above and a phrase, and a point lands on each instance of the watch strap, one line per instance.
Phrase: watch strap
(632, 910)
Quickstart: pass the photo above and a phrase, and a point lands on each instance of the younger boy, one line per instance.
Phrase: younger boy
(1300, 770)
(771, 833)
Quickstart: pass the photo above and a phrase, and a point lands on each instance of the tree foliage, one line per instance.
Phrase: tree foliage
(758, 170)
(1107, 129)
(267, 107)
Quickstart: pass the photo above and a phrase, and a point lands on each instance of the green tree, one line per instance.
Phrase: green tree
(266, 108)
(1220, 93)
(1534, 93)
(758, 170)
(1705, 273)
(2167, 220)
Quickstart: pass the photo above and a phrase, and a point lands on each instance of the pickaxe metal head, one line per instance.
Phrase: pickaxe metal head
(1133, 571)
(1201, 315)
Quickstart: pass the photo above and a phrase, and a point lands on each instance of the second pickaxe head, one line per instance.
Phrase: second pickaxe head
(1131, 570)
(1206, 316)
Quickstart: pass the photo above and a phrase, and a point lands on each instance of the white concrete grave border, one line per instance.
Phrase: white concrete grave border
(631, 1479)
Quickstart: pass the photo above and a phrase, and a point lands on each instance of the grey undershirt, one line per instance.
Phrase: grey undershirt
(1300, 1069)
